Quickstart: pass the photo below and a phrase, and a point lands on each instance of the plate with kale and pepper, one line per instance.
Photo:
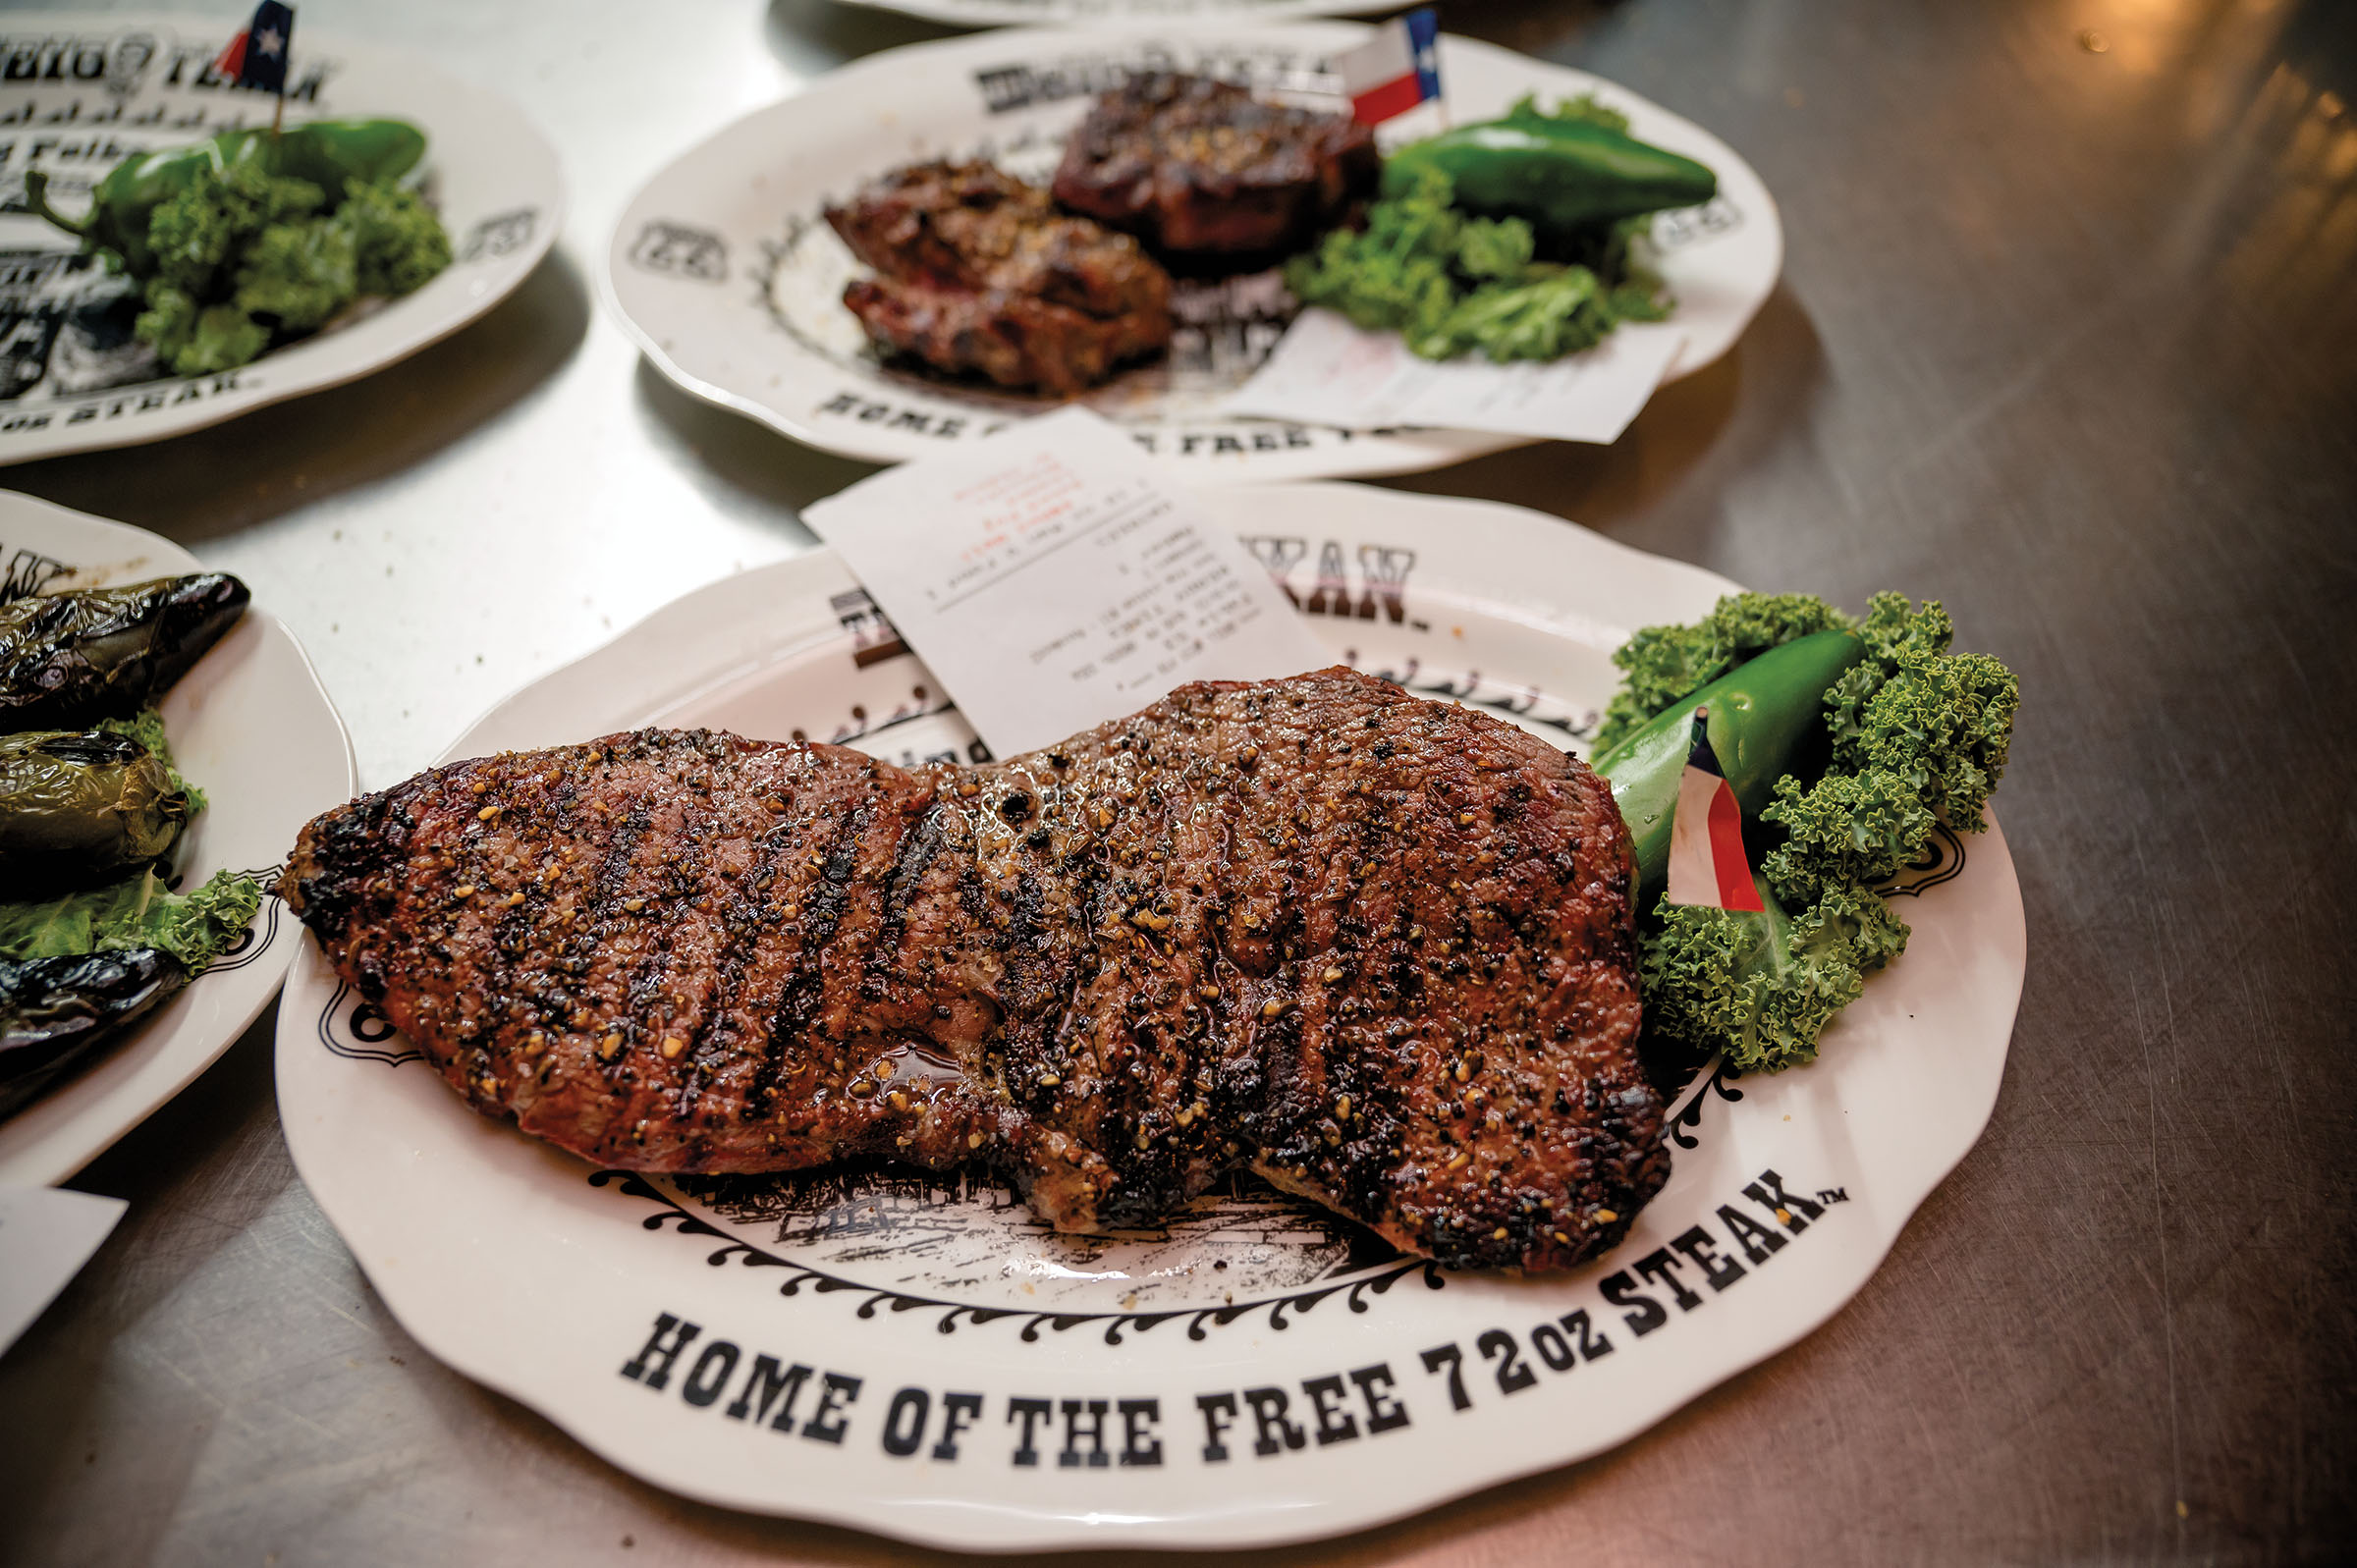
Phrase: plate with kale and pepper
(158, 733)
(929, 244)
(183, 249)
(1275, 1110)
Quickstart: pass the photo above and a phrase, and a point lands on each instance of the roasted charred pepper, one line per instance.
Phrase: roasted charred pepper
(1763, 713)
(325, 152)
(78, 807)
(1565, 177)
(55, 1012)
(70, 659)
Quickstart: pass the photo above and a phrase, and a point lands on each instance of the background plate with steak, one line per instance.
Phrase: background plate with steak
(726, 271)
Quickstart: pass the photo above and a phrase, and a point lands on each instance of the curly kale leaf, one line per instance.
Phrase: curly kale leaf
(197, 341)
(1497, 249)
(197, 232)
(139, 911)
(242, 256)
(1845, 831)
(1581, 110)
(1942, 722)
(299, 273)
(399, 243)
(1665, 664)
(1760, 989)
(1552, 316)
(1451, 285)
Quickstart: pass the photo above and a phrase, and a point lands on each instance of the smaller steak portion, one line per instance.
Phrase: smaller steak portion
(1200, 169)
(977, 271)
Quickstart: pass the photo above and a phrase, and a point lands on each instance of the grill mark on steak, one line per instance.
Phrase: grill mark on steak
(742, 935)
(800, 1001)
(609, 890)
(1376, 949)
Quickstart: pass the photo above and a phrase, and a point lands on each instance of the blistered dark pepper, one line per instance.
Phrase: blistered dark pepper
(55, 1012)
(1763, 713)
(71, 659)
(326, 152)
(1561, 177)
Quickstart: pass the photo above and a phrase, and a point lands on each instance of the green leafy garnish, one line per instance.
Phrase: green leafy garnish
(1662, 664)
(197, 234)
(139, 911)
(196, 340)
(300, 273)
(1450, 284)
(1584, 109)
(245, 257)
(400, 245)
(1915, 736)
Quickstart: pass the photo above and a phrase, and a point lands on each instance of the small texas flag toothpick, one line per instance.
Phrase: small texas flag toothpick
(1707, 865)
(1394, 71)
(257, 57)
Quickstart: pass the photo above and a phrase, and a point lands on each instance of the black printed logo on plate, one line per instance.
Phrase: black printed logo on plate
(676, 250)
(499, 234)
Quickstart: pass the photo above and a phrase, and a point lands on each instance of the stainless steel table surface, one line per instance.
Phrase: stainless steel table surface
(2068, 337)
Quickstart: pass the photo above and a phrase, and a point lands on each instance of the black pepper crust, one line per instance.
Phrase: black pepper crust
(1378, 949)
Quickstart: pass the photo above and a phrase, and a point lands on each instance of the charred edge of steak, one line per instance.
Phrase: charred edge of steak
(1204, 172)
(1015, 341)
(348, 854)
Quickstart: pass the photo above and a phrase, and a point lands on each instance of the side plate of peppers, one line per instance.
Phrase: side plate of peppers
(93, 937)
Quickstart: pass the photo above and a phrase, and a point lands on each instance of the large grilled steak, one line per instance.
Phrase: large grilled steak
(1202, 170)
(1375, 949)
(978, 272)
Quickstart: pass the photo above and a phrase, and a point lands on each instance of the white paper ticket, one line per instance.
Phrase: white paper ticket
(1052, 582)
(1326, 372)
(46, 1235)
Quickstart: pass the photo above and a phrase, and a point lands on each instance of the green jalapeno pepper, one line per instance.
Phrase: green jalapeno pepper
(1763, 713)
(75, 807)
(325, 152)
(1559, 175)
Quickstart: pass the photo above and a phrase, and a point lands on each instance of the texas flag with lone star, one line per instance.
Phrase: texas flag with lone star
(1707, 866)
(1394, 71)
(257, 57)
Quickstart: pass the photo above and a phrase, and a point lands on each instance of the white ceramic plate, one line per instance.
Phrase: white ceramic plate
(912, 1302)
(253, 726)
(72, 377)
(724, 268)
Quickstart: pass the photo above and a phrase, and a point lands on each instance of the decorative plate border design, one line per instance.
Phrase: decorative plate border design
(369, 1028)
(1689, 1115)
(1943, 860)
(1355, 1292)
